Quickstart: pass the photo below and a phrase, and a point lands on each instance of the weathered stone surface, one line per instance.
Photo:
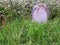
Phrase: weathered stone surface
(40, 13)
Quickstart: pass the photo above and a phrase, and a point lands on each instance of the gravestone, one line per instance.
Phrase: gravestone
(40, 13)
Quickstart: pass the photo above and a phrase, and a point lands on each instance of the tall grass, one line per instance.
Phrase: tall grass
(31, 33)
(22, 31)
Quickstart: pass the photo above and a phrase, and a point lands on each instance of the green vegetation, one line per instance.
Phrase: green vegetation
(20, 30)
(31, 33)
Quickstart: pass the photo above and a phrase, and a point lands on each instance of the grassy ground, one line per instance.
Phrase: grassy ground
(26, 32)
(31, 33)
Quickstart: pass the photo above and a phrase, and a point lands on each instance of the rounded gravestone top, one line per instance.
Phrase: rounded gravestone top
(40, 13)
